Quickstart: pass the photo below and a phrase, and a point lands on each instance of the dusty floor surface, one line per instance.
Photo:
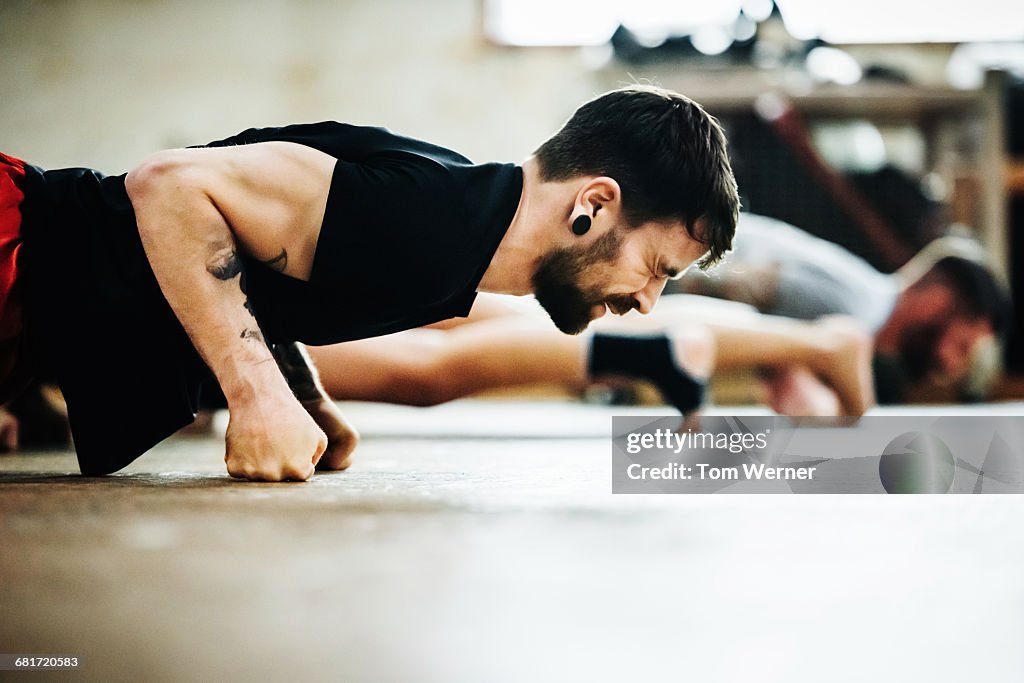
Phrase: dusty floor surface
(447, 558)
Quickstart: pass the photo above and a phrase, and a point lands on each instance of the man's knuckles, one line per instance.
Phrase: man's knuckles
(297, 473)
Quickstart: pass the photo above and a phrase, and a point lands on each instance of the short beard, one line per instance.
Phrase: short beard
(556, 282)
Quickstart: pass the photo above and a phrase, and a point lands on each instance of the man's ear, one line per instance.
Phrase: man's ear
(601, 193)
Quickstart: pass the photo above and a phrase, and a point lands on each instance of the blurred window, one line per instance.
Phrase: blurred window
(591, 22)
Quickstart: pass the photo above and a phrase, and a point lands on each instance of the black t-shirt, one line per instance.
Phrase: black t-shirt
(408, 232)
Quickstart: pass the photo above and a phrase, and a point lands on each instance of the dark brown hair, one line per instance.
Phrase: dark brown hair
(977, 291)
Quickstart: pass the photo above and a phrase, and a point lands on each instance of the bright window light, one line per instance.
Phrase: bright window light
(904, 21)
(592, 22)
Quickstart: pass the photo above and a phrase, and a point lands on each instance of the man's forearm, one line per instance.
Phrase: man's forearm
(194, 253)
(194, 257)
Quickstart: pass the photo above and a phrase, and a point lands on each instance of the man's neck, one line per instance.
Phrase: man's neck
(528, 236)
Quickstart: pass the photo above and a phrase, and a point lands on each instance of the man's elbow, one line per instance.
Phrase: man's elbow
(159, 174)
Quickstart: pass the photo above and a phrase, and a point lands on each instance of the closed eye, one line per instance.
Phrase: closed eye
(668, 273)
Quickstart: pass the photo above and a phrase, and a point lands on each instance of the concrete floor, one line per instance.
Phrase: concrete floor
(442, 557)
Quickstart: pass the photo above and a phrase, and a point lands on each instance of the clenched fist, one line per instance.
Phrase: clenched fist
(342, 438)
(273, 439)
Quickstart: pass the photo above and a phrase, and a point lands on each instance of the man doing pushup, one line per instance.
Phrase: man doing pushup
(228, 257)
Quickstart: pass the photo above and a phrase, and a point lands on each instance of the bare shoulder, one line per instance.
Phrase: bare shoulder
(272, 195)
(257, 164)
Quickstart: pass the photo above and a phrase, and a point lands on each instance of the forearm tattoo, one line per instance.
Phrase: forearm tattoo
(298, 369)
(225, 264)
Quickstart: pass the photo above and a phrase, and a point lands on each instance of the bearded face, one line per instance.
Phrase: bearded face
(566, 286)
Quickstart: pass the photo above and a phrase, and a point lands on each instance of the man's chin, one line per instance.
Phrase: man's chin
(579, 322)
(569, 316)
(569, 324)
(571, 327)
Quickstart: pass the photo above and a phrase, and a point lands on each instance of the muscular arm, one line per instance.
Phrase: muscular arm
(196, 209)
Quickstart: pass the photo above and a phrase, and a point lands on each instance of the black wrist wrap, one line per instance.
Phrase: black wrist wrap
(650, 358)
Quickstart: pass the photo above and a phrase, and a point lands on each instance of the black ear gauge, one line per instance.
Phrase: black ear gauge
(581, 225)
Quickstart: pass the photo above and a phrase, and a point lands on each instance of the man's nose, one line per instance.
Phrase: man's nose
(648, 296)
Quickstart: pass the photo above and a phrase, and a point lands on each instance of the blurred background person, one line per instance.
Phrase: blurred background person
(936, 323)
